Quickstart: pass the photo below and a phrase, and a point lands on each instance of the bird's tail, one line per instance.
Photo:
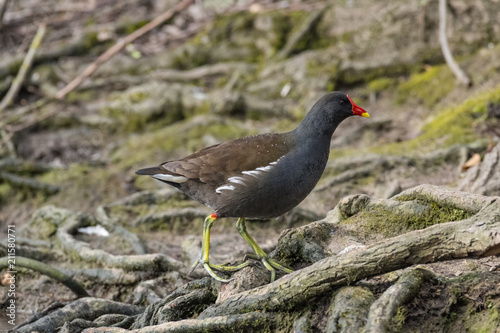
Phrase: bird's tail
(149, 171)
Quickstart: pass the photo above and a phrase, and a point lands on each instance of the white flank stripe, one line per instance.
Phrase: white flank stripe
(266, 168)
(251, 173)
(257, 171)
(237, 180)
(224, 187)
(170, 178)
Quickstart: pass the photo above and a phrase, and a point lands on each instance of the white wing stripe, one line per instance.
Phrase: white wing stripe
(251, 173)
(224, 187)
(237, 180)
(266, 168)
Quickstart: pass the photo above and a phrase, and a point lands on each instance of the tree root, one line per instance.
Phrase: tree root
(386, 306)
(46, 270)
(283, 304)
(476, 236)
(471, 203)
(235, 323)
(349, 309)
(155, 262)
(24, 182)
(201, 291)
(41, 314)
(484, 178)
(88, 308)
(347, 169)
(18, 165)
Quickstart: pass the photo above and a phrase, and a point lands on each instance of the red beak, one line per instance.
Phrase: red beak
(358, 111)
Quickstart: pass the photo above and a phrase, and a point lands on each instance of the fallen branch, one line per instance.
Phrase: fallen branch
(25, 67)
(443, 40)
(120, 45)
(46, 270)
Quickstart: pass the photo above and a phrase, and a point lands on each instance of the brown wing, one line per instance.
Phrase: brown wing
(215, 164)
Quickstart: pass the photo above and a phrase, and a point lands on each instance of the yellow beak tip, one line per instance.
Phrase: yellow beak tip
(365, 114)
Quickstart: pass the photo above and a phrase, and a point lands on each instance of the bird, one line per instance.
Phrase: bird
(258, 177)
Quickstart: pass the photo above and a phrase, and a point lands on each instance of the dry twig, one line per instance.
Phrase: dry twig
(25, 67)
(120, 45)
(3, 10)
(461, 76)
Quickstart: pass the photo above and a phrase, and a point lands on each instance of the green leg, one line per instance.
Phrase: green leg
(269, 263)
(204, 260)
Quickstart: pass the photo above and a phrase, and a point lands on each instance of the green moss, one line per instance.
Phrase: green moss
(244, 36)
(398, 220)
(353, 76)
(90, 40)
(152, 105)
(130, 27)
(493, 322)
(84, 186)
(453, 125)
(5, 192)
(311, 40)
(427, 88)
(191, 55)
(315, 68)
(381, 84)
(84, 95)
(91, 22)
(173, 140)
(14, 66)
(399, 319)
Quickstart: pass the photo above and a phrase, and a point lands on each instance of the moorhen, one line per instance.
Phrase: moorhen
(260, 176)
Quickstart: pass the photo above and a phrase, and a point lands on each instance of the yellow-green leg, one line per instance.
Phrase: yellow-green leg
(269, 263)
(204, 260)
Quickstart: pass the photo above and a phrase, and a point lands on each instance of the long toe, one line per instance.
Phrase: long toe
(273, 263)
(276, 264)
(270, 268)
(227, 268)
(215, 276)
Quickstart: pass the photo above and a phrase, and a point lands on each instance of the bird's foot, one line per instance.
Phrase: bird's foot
(221, 268)
(271, 264)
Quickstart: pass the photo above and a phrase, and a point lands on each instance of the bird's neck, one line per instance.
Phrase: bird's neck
(314, 128)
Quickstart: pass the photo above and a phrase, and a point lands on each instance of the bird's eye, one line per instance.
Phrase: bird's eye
(342, 102)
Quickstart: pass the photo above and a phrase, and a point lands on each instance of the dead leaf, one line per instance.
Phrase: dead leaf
(7, 279)
(474, 160)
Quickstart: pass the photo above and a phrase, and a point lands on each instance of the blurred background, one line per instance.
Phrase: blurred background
(219, 70)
